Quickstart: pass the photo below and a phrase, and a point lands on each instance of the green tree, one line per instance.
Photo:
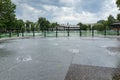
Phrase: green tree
(111, 20)
(7, 14)
(20, 25)
(104, 24)
(43, 23)
(29, 26)
(118, 17)
(118, 3)
(101, 21)
(79, 24)
(83, 26)
(53, 25)
(99, 26)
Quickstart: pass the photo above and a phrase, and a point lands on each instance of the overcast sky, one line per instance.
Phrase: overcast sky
(63, 11)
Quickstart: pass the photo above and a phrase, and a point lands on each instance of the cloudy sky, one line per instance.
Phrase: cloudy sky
(63, 11)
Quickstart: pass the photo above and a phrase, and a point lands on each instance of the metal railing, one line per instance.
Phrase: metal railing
(59, 33)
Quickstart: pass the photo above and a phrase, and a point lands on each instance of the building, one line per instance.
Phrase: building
(68, 26)
(116, 26)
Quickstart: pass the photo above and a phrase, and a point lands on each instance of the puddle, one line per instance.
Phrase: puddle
(24, 58)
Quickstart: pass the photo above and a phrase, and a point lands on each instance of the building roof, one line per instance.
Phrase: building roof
(116, 24)
(64, 25)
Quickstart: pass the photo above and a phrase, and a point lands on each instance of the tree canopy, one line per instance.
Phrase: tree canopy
(118, 3)
(118, 17)
(83, 26)
(7, 14)
(111, 20)
(43, 23)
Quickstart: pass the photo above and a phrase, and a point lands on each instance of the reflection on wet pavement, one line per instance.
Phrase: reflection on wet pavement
(50, 58)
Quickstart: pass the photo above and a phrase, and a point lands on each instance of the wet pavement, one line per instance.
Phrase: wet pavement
(52, 58)
(84, 72)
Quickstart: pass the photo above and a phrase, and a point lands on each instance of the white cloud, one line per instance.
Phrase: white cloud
(70, 2)
(74, 17)
(67, 13)
(29, 13)
(109, 7)
(50, 7)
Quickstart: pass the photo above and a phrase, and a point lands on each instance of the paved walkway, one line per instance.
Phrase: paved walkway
(72, 58)
(84, 72)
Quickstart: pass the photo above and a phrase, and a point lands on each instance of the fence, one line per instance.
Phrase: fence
(59, 33)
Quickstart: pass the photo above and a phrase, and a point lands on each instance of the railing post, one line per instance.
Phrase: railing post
(9, 33)
(68, 32)
(33, 32)
(92, 31)
(0, 34)
(80, 32)
(22, 33)
(105, 31)
(118, 32)
(56, 32)
(45, 33)
(17, 33)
